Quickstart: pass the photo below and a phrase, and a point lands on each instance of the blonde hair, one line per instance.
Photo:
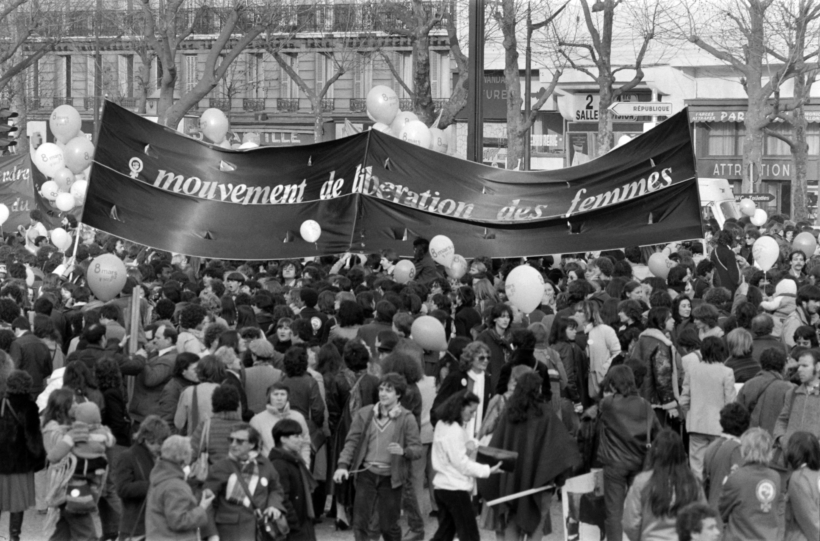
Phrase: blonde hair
(740, 342)
(177, 449)
(756, 446)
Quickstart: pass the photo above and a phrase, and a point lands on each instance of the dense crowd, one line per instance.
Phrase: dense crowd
(253, 400)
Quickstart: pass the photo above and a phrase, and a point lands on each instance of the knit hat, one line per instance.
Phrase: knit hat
(786, 286)
(261, 348)
(88, 413)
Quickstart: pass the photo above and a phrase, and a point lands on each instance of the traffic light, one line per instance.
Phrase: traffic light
(8, 132)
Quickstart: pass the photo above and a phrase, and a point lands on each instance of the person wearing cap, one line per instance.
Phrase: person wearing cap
(425, 266)
(260, 376)
(385, 343)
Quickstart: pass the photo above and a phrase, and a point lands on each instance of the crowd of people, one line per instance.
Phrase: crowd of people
(252, 400)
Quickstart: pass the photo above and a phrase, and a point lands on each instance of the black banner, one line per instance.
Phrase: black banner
(371, 191)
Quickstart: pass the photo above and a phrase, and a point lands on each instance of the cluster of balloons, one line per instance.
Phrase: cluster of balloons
(383, 109)
(65, 162)
(757, 216)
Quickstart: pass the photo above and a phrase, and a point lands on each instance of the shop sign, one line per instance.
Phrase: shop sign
(756, 197)
(729, 168)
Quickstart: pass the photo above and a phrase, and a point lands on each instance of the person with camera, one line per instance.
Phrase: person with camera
(247, 488)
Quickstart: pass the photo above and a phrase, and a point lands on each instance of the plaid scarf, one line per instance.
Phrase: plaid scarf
(234, 492)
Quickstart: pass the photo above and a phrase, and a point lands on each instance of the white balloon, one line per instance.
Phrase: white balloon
(525, 288)
(439, 140)
(248, 144)
(416, 132)
(382, 104)
(759, 217)
(310, 231)
(50, 190)
(78, 190)
(65, 202)
(442, 250)
(401, 119)
(48, 158)
(61, 239)
(765, 251)
(4, 213)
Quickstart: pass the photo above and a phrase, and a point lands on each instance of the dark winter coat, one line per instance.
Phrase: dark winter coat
(133, 470)
(458, 381)
(499, 353)
(115, 416)
(292, 473)
(21, 441)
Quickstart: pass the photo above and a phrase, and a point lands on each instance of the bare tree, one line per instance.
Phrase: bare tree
(166, 27)
(596, 49)
(416, 23)
(759, 78)
(796, 24)
(30, 29)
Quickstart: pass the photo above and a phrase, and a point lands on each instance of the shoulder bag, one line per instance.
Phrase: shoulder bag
(267, 529)
(199, 469)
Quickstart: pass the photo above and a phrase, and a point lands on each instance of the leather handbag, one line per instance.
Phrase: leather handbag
(493, 455)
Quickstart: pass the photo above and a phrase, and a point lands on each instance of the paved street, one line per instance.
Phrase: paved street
(32, 528)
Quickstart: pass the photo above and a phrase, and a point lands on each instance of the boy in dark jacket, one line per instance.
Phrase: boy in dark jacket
(297, 482)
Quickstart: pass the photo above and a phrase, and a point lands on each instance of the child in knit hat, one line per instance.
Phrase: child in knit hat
(782, 304)
(91, 459)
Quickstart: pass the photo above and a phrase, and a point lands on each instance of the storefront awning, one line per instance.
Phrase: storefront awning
(736, 113)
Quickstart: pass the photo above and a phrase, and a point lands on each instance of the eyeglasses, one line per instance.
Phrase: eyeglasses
(483, 358)
(238, 441)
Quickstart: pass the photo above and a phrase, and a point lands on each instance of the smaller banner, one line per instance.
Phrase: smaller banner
(16, 189)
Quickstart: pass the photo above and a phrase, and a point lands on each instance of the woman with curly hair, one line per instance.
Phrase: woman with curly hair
(184, 376)
(79, 379)
(545, 450)
(656, 496)
(497, 338)
(472, 374)
(305, 395)
(195, 401)
(115, 414)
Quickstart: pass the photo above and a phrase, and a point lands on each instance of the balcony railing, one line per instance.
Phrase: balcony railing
(86, 104)
(223, 104)
(352, 17)
(287, 105)
(253, 105)
(358, 105)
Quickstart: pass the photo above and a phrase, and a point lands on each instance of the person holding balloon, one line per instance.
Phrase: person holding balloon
(425, 266)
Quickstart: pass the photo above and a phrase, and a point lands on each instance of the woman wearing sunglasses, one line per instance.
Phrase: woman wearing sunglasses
(472, 374)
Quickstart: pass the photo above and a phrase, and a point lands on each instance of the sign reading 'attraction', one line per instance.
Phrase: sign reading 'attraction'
(369, 190)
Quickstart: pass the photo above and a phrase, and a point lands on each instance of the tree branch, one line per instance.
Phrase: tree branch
(528, 122)
(396, 75)
(721, 55)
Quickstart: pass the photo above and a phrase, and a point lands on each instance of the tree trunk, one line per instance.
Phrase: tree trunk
(422, 90)
(605, 135)
(318, 120)
(21, 106)
(142, 90)
(800, 154)
(166, 97)
(753, 149)
(512, 80)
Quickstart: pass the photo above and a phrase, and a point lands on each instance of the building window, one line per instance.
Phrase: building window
(67, 75)
(775, 146)
(158, 72)
(325, 69)
(287, 86)
(363, 76)
(404, 66)
(724, 138)
(190, 72)
(33, 80)
(813, 139)
(254, 73)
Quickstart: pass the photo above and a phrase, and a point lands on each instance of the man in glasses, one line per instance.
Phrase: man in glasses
(246, 486)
